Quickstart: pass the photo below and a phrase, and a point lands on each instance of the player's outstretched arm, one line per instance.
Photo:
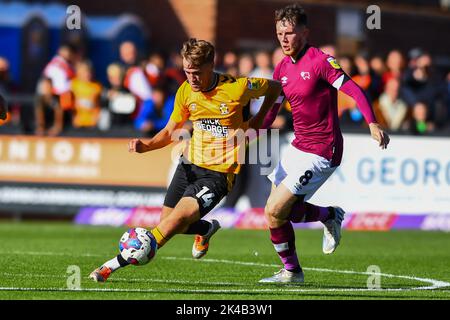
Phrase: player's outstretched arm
(350, 88)
(270, 97)
(160, 140)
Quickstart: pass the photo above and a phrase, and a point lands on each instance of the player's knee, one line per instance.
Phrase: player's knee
(272, 210)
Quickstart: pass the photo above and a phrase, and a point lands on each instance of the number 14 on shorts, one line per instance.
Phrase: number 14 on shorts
(207, 198)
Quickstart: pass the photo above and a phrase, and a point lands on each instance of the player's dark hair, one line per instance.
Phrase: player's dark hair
(294, 14)
(198, 52)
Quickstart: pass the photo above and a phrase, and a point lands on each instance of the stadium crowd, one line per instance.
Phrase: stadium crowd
(409, 94)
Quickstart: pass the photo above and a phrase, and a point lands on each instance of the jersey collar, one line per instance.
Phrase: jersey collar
(300, 54)
(214, 83)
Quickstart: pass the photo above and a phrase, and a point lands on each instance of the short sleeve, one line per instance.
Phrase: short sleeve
(328, 68)
(256, 87)
(180, 111)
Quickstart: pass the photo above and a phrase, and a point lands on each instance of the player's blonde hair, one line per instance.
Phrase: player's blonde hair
(198, 52)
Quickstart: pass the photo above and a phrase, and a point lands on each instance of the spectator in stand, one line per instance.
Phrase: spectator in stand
(391, 110)
(121, 103)
(15, 113)
(4, 76)
(395, 64)
(230, 60)
(420, 84)
(5, 84)
(277, 56)
(233, 71)
(174, 75)
(60, 71)
(229, 64)
(263, 65)
(87, 94)
(366, 78)
(4, 89)
(378, 66)
(154, 116)
(48, 112)
(3, 108)
(413, 55)
(135, 79)
(245, 65)
(419, 123)
(263, 70)
(154, 67)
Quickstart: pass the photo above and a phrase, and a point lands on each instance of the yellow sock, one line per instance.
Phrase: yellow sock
(160, 239)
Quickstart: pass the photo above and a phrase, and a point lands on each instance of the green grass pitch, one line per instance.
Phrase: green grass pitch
(34, 259)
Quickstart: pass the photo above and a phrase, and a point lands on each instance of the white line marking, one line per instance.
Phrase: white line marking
(144, 280)
(435, 284)
(269, 290)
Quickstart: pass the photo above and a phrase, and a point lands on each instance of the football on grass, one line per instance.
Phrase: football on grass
(138, 246)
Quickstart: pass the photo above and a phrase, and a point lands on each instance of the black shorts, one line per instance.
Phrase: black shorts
(207, 186)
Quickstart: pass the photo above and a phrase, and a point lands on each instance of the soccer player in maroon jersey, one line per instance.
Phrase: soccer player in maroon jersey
(310, 80)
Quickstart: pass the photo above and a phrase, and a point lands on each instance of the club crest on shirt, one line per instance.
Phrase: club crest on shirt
(332, 61)
(253, 84)
(193, 106)
(224, 108)
(305, 75)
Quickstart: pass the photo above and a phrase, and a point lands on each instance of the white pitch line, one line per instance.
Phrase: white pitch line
(241, 291)
(435, 284)
(60, 254)
(145, 280)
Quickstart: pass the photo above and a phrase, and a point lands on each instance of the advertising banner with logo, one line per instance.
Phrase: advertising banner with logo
(60, 175)
(412, 176)
(407, 185)
(82, 161)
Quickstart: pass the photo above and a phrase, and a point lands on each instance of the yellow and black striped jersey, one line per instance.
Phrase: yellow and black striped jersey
(217, 115)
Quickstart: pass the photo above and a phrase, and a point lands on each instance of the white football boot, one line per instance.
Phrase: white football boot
(201, 243)
(332, 231)
(285, 276)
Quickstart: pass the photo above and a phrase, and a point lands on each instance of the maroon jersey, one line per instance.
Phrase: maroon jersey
(308, 86)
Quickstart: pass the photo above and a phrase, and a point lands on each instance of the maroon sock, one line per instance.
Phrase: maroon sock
(283, 239)
(307, 212)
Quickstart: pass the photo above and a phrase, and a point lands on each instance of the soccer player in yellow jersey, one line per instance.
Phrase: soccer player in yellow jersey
(217, 105)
